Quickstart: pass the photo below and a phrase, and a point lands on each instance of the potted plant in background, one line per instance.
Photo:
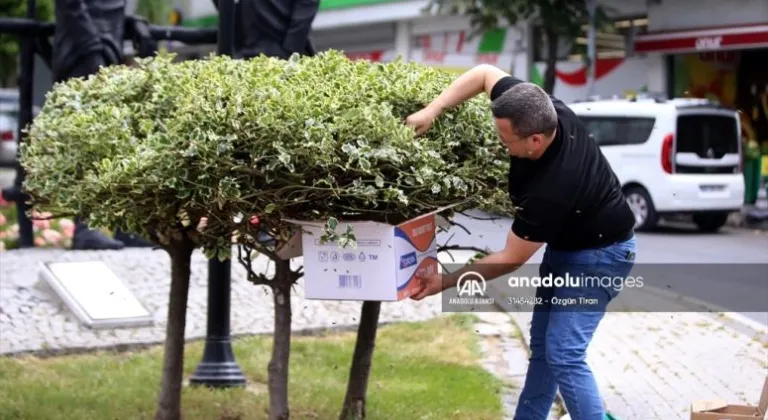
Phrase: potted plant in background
(764, 166)
(49, 233)
(751, 158)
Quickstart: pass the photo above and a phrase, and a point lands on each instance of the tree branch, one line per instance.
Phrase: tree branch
(457, 224)
(444, 248)
(56, 216)
(245, 257)
(481, 218)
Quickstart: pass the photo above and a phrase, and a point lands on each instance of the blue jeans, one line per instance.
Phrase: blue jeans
(561, 333)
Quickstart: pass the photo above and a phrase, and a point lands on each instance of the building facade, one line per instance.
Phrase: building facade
(672, 47)
(712, 49)
(380, 30)
(618, 72)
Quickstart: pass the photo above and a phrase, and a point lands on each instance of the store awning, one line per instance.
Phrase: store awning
(712, 39)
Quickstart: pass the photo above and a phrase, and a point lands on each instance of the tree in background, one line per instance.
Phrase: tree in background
(9, 44)
(559, 19)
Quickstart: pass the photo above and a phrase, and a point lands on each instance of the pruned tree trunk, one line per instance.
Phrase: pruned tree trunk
(549, 72)
(169, 402)
(281, 347)
(357, 385)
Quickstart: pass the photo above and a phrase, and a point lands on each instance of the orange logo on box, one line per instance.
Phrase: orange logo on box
(418, 232)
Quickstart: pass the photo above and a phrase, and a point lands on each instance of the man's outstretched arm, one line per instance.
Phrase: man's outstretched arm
(470, 84)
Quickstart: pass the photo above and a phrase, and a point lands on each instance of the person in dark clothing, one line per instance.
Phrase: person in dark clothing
(567, 197)
(275, 28)
(89, 35)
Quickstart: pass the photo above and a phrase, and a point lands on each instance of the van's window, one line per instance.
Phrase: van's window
(9, 121)
(613, 131)
(709, 136)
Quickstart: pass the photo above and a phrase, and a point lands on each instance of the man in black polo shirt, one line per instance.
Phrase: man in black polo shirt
(567, 197)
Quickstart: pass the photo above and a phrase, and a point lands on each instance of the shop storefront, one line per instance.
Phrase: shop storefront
(726, 64)
(374, 42)
(449, 45)
(446, 42)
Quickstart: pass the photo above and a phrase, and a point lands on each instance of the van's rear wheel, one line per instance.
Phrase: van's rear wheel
(710, 222)
(640, 203)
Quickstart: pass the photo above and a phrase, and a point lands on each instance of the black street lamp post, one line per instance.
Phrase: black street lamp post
(26, 75)
(218, 367)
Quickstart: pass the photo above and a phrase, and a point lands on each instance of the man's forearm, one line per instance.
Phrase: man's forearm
(490, 267)
(470, 84)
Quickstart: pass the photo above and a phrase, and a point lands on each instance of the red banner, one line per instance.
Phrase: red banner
(703, 40)
(434, 56)
(487, 58)
(365, 55)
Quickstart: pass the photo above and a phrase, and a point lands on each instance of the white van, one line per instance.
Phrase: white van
(672, 157)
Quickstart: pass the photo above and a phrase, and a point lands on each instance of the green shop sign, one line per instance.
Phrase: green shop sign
(341, 4)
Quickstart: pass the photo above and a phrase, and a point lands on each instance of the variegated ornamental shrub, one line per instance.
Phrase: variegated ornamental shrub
(153, 148)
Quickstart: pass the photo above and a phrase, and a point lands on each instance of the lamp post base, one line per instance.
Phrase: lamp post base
(218, 369)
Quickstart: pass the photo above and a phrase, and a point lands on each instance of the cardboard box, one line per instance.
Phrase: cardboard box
(719, 409)
(382, 267)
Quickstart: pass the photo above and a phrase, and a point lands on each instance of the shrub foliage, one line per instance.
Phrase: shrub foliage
(153, 148)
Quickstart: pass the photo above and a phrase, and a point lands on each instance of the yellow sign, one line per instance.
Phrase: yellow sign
(174, 17)
(710, 78)
(764, 171)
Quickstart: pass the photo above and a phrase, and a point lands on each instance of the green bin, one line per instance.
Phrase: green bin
(764, 170)
(752, 168)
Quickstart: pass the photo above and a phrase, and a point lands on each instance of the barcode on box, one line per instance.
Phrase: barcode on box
(349, 281)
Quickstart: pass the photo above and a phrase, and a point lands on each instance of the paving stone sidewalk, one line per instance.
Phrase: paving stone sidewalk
(506, 356)
(32, 318)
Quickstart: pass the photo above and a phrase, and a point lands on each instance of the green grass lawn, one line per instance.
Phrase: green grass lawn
(424, 370)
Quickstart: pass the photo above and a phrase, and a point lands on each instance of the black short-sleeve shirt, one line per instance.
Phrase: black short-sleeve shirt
(569, 198)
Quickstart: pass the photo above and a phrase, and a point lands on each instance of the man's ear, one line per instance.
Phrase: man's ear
(538, 139)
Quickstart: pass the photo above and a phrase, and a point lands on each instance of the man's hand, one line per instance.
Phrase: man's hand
(470, 84)
(422, 120)
(515, 254)
(429, 285)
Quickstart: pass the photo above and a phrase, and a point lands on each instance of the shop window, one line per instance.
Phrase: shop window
(728, 57)
(612, 40)
(619, 131)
